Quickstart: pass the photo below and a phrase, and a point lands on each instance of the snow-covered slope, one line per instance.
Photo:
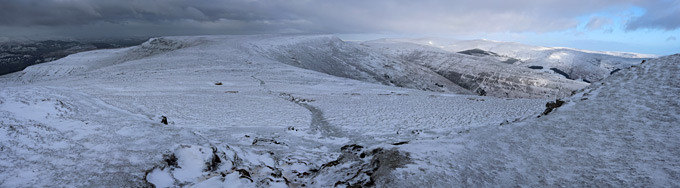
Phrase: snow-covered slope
(241, 116)
(622, 132)
(84, 61)
(590, 66)
(93, 118)
(483, 75)
(330, 55)
(324, 53)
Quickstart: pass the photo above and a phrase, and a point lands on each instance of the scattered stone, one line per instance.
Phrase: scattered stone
(400, 143)
(351, 148)
(170, 159)
(481, 92)
(383, 163)
(244, 174)
(215, 162)
(164, 120)
(558, 71)
(474, 99)
(536, 67)
(260, 140)
(330, 164)
(550, 106)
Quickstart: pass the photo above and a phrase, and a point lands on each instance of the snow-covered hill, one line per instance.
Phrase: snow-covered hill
(330, 55)
(622, 132)
(326, 54)
(589, 66)
(483, 75)
(15, 55)
(243, 113)
(389, 62)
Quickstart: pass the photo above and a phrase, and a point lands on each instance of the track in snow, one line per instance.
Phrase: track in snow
(318, 122)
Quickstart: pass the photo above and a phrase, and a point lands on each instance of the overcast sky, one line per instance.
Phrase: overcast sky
(645, 26)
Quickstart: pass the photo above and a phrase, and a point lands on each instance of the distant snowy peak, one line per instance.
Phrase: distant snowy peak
(583, 65)
(485, 44)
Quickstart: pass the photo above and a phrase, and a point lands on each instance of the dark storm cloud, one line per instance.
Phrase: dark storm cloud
(94, 18)
(182, 17)
(76, 12)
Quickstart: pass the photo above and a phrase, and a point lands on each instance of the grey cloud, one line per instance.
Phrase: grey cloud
(76, 12)
(664, 15)
(596, 23)
(671, 38)
(182, 17)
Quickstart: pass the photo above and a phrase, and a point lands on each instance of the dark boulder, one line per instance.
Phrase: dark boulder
(550, 106)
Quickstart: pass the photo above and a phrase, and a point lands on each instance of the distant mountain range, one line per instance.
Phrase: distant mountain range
(483, 67)
(575, 64)
(17, 55)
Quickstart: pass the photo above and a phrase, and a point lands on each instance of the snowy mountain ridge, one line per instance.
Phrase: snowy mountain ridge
(590, 66)
(458, 45)
(328, 54)
(483, 75)
(415, 66)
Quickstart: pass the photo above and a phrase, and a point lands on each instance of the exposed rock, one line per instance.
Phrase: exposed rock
(550, 106)
(164, 120)
(536, 67)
